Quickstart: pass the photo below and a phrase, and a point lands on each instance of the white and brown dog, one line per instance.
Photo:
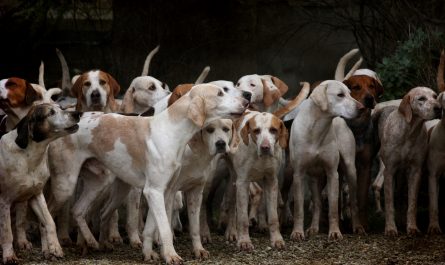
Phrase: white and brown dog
(24, 172)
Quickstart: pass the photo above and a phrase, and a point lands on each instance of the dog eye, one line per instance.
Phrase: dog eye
(435, 96)
(252, 85)
(341, 95)
(225, 89)
(52, 112)
(273, 130)
(356, 88)
(422, 98)
(10, 84)
(225, 129)
(152, 87)
(257, 131)
(210, 130)
(237, 84)
(102, 82)
(220, 94)
(87, 83)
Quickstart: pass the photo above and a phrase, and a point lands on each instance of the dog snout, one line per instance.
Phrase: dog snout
(265, 149)
(76, 115)
(245, 103)
(369, 101)
(247, 95)
(437, 112)
(220, 146)
(95, 96)
(360, 107)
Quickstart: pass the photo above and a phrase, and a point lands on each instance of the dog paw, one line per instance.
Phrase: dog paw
(359, 230)
(173, 259)
(53, 254)
(65, 241)
(206, 239)
(10, 260)
(106, 246)
(136, 243)
(245, 245)
(201, 254)
(151, 256)
(24, 245)
(391, 232)
(335, 235)
(278, 244)
(115, 239)
(434, 230)
(231, 235)
(312, 231)
(413, 231)
(297, 235)
(92, 243)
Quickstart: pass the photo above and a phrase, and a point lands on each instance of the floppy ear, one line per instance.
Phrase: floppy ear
(127, 102)
(405, 108)
(76, 91)
(178, 92)
(22, 133)
(196, 111)
(234, 140)
(195, 141)
(245, 133)
(282, 87)
(31, 94)
(283, 136)
(378, 88)
(440, 99)
(115, 87)
(319, 97)
(269, 95)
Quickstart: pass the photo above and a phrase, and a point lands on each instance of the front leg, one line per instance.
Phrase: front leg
(6, 239)
(271, 194)
(194, 201)
(364, 185)
(413, 191)
(390, 224)
(332, 185)
(433, 185)
(133, 208)
(298, 230)
(20, 225)
(38, 204)
(242, 218)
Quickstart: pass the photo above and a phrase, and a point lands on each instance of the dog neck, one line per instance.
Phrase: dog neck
(409, 130)
(37, 149)
(319, 123)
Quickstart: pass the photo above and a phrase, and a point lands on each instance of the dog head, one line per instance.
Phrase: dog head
(210, 102)
(46, 122)
(365, 87)
(265, 89)
(216, 136)
(17, 93)
(334, 98)
(230, 89)
(95, 91)
(144, 92)
(420, 102)
(266, 131)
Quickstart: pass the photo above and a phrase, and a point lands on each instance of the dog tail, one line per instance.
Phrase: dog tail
(203, 75)
(340, 71)
(354, 68)
(41, 74)
(292, 104)
(66, 80)
(440, 72)
(148, 59)
(51, 92)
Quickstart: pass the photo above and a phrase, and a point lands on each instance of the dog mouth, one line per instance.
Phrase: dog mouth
(72, 129)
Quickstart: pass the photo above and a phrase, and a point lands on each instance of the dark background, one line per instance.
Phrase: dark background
(293, 40)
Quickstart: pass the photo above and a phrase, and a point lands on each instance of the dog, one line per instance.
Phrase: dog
(158, 141)
(24, 172)
(318, 142)
(95, 90)
(404, 145)
(258, 158)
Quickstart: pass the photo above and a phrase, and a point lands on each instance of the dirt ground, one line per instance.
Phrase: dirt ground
(370, 249)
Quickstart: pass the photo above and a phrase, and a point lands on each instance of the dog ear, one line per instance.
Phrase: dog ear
(245, 133)
(127, 102)
(22, 133)
(76, 90)
(196, 111)
(269, 95)
(283, 135)
(378, 88)
(31, 94)
(319, 97)
(234, 140)
(114, 85)
(282, 87)
(440, 99)
(405, 108)
(196, 141)
(178, 92)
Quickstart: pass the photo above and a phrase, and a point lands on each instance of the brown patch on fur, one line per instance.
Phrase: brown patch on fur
(363, 86)
(247, 129)
(111, 128)
(269, 96)
(127, 102)
(282, 87)
(178, 92)
(20, 92)
(440, 72)
(405, 108)
(282, 134)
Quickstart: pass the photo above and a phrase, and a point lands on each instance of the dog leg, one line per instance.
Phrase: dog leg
(413, 191)
(271, 196)
(230, 202)
(352, 184)
(433, 185)
(38, 204)
(133, 205)
(148, 235)
(390, 224)
(255, 193)
(377, 187)
(194, 201)
(114, 236)
(332, 185)
(363, 165)
(63, 224)
(21, 224)
(242, 219)
(203, 224)
(297, 186)
(262, 222)
(6, 238)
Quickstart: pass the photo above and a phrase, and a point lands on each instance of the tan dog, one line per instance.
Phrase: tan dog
(24, 172)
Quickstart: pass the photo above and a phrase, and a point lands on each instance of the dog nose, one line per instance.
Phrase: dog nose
(220, 146)
(438, 112)
(369, 101)
(360, 107)
(76, 115)
(95, 95)
(247, 95)
(265, 149)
